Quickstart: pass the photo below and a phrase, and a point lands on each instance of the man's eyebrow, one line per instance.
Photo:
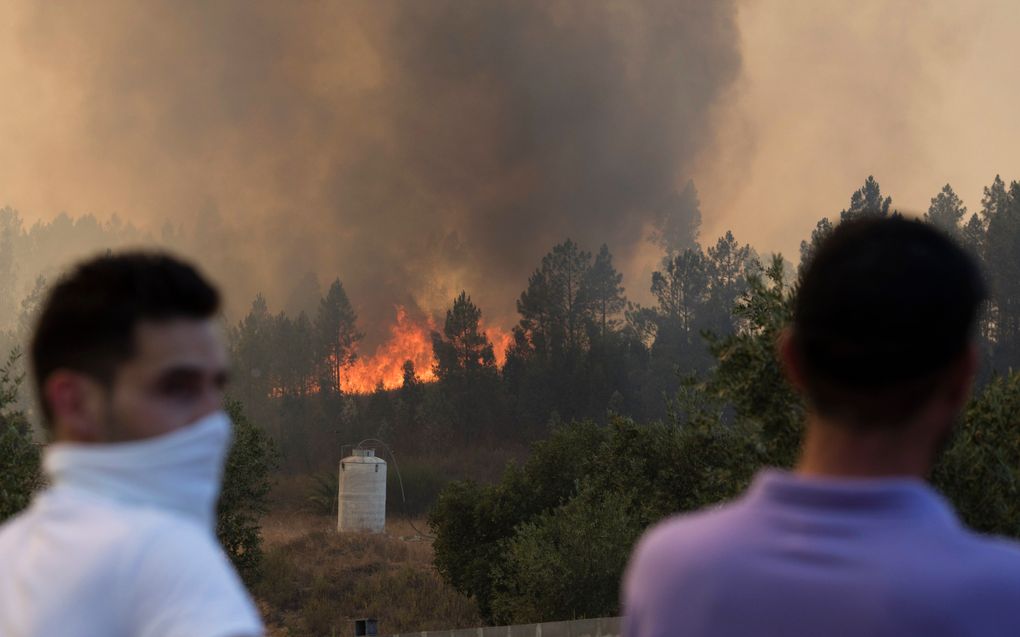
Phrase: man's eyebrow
(182, 370)
(186, 372)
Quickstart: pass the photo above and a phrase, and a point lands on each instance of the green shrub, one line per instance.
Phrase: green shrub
(245, 493)
(20, 474)
(587, 487)
(980, 471)
(323, 493)
(566, 564)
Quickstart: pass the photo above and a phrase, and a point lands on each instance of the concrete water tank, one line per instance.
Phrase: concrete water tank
(362, 498)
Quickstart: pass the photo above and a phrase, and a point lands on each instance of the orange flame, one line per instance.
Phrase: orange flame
(501, 340)
(408, 341)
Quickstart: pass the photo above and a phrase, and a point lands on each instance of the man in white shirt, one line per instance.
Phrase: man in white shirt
(129, 365)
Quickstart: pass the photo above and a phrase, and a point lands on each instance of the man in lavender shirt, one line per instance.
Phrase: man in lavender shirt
(853, 541)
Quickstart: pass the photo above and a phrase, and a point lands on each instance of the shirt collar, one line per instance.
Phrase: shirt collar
(894, 496)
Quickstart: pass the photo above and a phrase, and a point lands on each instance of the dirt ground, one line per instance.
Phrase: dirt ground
(316, 581)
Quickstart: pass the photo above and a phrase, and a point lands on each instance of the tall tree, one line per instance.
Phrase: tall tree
(1002, 245)
(251, 348)
(728, 265)
(466, 369)
(867, 201)
(946, 212)
(808, 247)
(336, 335)
(293, 353)
(462, 348)
(972, 235)
(602, 292)
(995, 200)
(681, 289)
(553, 311)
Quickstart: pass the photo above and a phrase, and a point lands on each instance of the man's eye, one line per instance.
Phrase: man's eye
(178, 389)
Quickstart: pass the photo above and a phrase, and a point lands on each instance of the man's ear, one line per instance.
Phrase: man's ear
(960, 379)
(76, 406)
(789, 358)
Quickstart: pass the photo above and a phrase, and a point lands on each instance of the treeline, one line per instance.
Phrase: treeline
(992, 234)
(551, 538)
(581, 349)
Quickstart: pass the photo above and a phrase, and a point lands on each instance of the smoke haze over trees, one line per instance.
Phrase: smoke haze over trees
(416, 149)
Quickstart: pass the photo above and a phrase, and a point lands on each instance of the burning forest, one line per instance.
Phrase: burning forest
(541, 251)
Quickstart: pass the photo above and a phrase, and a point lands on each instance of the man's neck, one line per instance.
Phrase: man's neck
(836, 450)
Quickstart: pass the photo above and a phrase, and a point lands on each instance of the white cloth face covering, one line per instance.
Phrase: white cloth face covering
(179, 472)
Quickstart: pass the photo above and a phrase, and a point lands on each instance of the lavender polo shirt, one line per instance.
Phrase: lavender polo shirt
(820, 556)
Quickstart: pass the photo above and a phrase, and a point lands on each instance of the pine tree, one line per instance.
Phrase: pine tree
(681, 290)
(553, 311)
(728, 266)
(602, 292)
(336, 335)
(972, 235)
(462, 348)
(867, 201)
(466, 369)
(808, 247)
(1001, 209)
(251, 346)
(946, 212)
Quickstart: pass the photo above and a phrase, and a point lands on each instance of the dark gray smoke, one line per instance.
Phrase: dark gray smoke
(410, 148)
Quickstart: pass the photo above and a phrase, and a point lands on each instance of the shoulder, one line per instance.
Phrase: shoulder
(705, 528)
(184, 584)
(685, 543)
(991, 564)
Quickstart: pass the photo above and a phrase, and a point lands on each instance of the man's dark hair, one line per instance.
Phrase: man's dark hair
(883, 309)
(88, 320)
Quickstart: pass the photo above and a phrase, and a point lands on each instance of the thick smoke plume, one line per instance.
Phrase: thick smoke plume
(410, 148)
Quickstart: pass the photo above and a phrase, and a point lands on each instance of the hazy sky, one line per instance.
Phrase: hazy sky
(916, 93)
(414, 149)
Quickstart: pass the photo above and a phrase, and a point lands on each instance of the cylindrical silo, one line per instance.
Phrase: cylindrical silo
(362, 498)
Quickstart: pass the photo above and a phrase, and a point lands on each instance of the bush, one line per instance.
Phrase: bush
(980, 471)
(245, 493)
(19, 466)
(20, 475)
(323, 493)
(472, 522)
(550, 540)
(566, 564)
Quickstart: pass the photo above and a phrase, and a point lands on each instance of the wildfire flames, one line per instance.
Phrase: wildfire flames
(409, 340)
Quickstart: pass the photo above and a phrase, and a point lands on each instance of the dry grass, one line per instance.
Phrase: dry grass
(317, 581)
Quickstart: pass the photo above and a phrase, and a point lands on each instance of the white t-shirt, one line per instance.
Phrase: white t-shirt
(79, 565)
